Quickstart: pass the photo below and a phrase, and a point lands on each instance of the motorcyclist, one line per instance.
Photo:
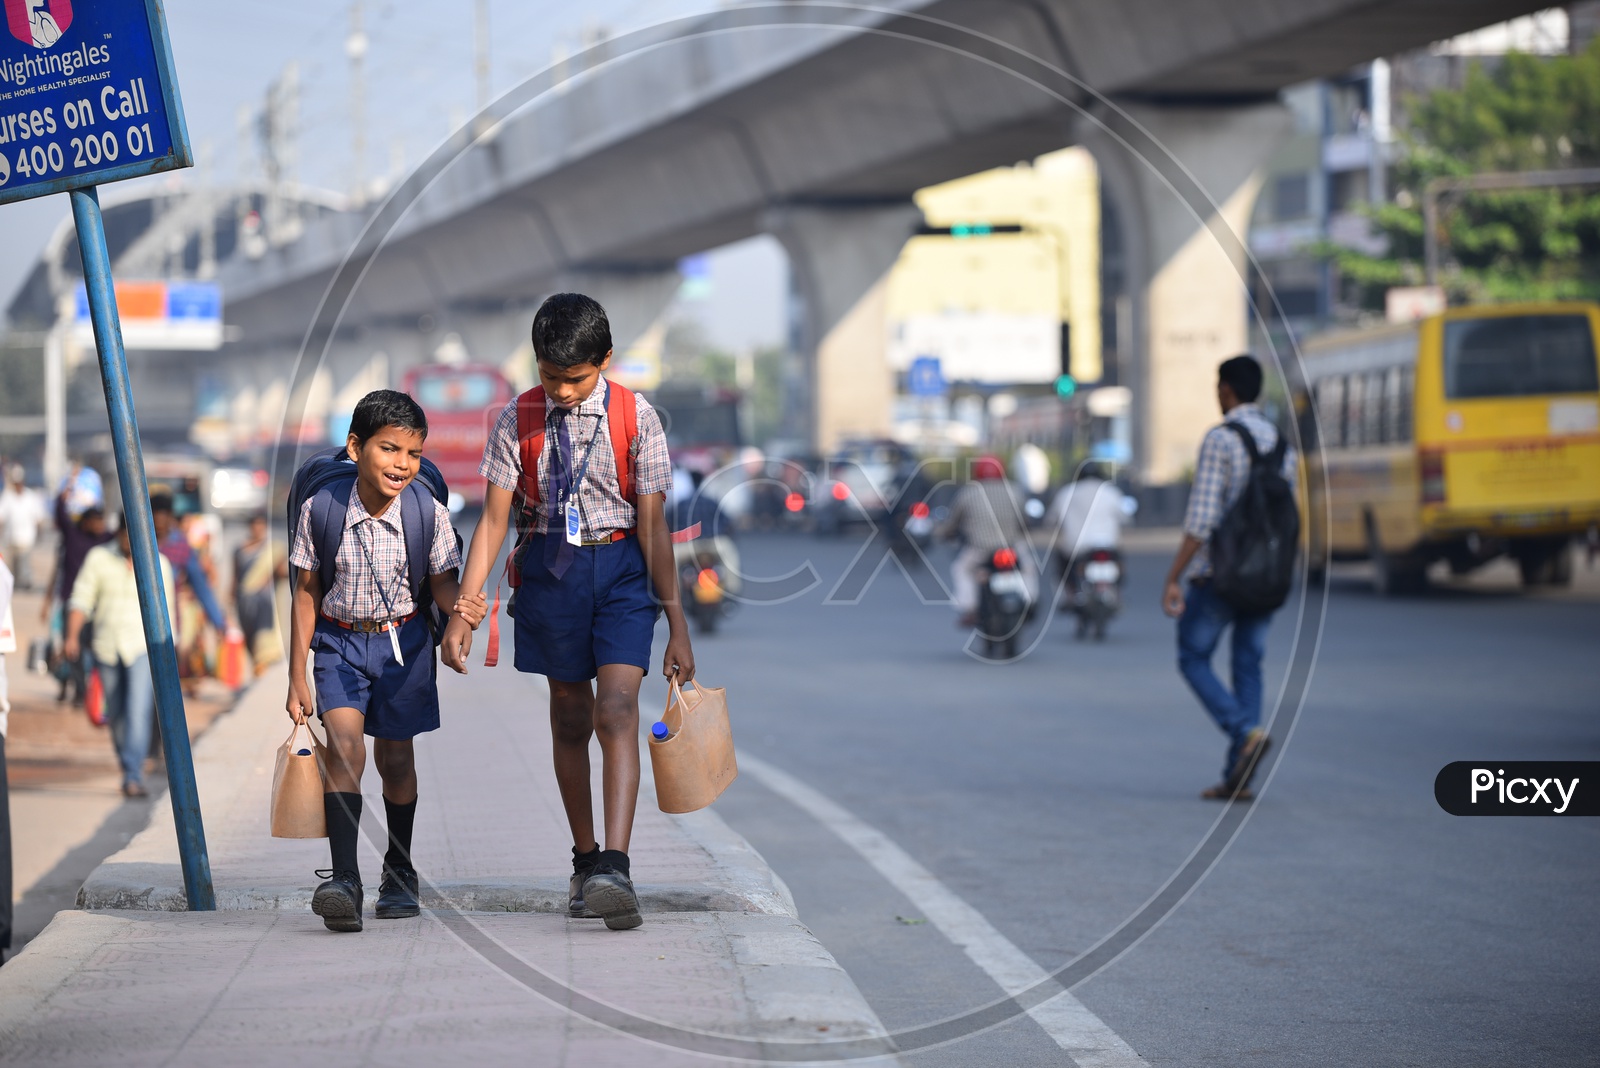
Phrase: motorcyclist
(986, 516)
(1087, 514)
(689, 503)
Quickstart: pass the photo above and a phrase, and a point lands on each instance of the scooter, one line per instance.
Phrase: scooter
(1002, 603)
(1096, 594)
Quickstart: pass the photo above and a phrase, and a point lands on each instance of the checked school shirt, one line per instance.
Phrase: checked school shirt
(600, 504)
(355, 595)
(1221, 473)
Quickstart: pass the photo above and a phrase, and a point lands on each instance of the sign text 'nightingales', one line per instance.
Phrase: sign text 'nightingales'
(20, 71)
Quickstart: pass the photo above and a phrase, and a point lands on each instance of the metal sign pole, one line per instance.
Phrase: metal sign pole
(142, 535)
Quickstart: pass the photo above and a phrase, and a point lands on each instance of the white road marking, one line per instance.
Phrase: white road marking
(1083, 1035)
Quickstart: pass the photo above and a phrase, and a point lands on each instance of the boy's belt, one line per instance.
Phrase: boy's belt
(370, 626)
(616, 536)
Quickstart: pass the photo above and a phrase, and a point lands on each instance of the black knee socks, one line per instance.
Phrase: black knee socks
(401, 819)
(343, 812)
(583, 863)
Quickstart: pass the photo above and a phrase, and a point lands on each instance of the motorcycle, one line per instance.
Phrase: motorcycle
(1095, 592)
(1002, 602)
(703, 586)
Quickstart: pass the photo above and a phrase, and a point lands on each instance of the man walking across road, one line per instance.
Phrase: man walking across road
(1191, 595)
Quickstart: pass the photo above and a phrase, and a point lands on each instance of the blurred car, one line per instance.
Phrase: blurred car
(239, 492)
(860, 484)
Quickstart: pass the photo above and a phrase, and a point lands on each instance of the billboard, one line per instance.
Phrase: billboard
(162, 315)
(980, 347)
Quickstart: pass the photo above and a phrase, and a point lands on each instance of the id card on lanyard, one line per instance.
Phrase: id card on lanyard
(389, 625)
(573, 516)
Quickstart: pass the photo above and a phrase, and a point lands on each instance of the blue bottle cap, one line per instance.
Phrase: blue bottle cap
(303, 752)
(659, 732)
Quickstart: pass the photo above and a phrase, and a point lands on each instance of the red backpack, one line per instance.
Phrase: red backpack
(622, 418)
(622, 421)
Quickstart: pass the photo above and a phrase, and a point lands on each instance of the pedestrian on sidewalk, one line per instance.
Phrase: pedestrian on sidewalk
(374, 662)
(584, 463)
(1221, 474)
(107, 595)
(21, 515)
(258, 567)
(8, 644)
(197, 600)
(78, 536)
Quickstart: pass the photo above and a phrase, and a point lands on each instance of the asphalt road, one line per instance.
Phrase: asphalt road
(1351, 922)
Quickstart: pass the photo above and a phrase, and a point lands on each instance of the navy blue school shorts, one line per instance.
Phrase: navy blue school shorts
(357, 669)
(601, 611)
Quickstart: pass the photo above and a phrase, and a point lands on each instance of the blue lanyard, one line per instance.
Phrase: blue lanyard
(372, 565)
(583, 469)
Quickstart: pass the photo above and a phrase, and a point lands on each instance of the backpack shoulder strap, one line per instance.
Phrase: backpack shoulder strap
(622, 417)
(1249, 440)
(329, 507)
(530, 440)
(419, 523)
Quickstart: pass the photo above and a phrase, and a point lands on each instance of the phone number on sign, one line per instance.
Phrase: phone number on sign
(86, 150)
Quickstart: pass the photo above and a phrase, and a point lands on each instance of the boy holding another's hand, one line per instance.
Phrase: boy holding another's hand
(372, 648)
(583, 464)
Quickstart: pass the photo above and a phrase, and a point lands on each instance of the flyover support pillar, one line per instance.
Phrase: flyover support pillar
(1183, 180)
(838, 252)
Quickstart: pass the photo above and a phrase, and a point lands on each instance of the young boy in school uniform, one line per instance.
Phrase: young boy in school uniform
(373, 652)
(595, 566)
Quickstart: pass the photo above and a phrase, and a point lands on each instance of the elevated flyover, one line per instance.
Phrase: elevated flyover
(815, 122)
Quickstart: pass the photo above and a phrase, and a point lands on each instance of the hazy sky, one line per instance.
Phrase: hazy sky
(420, 84)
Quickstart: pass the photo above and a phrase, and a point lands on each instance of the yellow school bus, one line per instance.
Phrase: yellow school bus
(1462, 437)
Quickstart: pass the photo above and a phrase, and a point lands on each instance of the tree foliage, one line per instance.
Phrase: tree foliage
(1528, 113)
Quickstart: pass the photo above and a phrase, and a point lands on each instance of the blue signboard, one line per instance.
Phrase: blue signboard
(87, 96)
(925, 378)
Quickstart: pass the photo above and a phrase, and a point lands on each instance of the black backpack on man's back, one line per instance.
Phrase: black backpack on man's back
(1253, 547)
(328, 478)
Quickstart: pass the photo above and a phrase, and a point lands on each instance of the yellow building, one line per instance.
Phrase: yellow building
(1015, 289)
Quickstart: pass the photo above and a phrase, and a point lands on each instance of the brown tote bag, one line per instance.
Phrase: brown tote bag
(297, 787)
(695, 762)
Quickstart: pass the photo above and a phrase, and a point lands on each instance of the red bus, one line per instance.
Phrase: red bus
(461, 403)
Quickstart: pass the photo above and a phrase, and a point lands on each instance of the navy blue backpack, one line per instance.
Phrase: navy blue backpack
(328, 478)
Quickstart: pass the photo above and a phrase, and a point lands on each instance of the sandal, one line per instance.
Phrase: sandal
(1228, 792)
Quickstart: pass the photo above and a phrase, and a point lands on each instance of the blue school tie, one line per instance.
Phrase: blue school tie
(557, 550)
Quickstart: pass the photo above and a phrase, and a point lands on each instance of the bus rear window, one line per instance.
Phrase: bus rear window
(1519, 356)
(455, 392)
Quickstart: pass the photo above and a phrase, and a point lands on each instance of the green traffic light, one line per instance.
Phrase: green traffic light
(1066, 386)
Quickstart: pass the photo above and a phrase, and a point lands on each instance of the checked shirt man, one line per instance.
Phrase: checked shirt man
(1220, 476)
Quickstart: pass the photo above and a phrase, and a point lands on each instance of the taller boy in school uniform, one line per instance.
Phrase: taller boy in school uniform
(373, 651)
(595, 543)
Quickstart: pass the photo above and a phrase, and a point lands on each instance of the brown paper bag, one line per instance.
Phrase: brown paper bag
(297, 787)
(695, 762)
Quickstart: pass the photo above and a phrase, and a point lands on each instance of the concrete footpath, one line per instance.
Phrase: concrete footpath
(493, 971)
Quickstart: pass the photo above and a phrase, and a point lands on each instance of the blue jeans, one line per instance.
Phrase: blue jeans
(130, 696)
(1205, 616)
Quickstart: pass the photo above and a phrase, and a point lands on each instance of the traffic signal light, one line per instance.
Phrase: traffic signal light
(971, 229)
(1066, 386)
